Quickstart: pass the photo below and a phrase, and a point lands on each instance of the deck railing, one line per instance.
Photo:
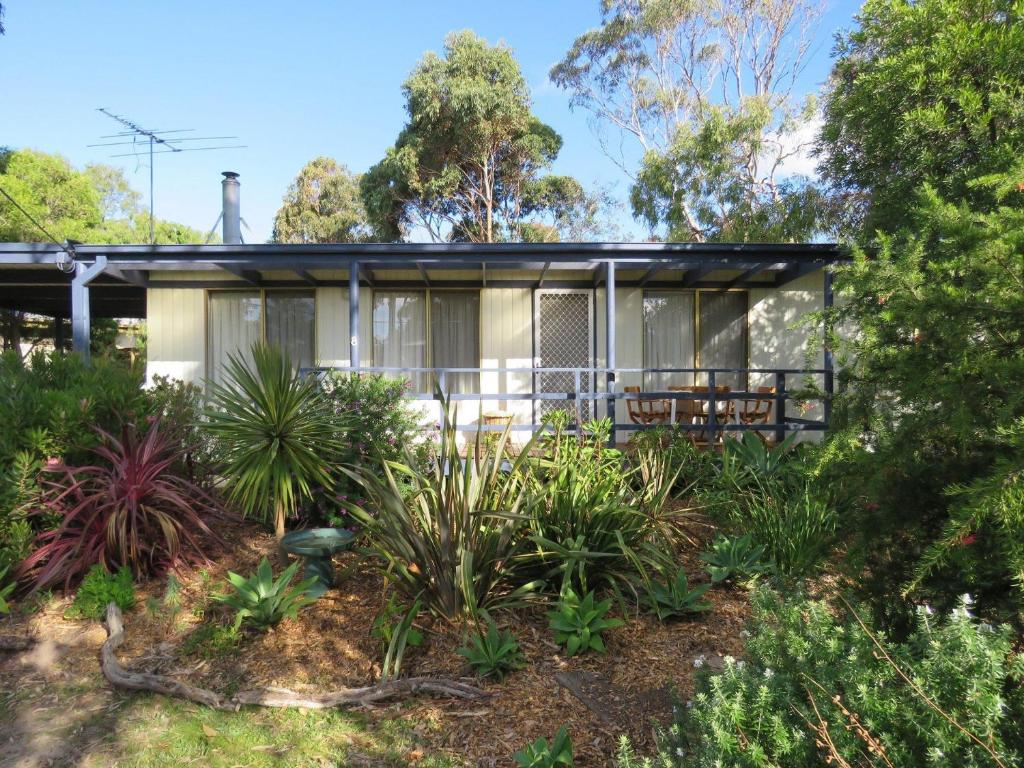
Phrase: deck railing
(791, 385)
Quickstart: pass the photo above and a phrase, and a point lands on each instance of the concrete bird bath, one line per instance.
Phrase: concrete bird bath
(318, 546)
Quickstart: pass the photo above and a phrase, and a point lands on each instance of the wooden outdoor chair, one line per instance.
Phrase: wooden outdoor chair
(645, 412)
(696, 412)
(758, 411)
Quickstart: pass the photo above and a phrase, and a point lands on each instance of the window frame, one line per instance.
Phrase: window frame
(697, 292)
(263, 316)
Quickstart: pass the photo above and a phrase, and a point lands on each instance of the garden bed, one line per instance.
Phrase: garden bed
(329, 646)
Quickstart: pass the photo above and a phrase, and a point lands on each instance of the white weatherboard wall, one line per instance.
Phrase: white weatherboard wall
(506, 341)
(776, 343)
(176, 333)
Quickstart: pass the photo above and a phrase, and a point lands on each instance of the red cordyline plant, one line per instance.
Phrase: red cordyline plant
(129, 508)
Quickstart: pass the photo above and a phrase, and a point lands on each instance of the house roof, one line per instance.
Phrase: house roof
(30, 280)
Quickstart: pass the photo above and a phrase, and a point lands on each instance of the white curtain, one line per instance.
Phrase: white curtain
(455, 337)
(668, 338)
(235, 324)
(291, 319)
(723, 335)
(400, 333)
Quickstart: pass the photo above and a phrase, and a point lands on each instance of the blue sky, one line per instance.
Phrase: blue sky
(292, 80)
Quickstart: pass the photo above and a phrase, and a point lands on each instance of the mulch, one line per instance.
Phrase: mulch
(626, 691)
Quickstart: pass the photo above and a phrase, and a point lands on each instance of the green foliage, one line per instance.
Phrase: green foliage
(469, 164)
(493, 653)
(322, 205)
(915, 702)
(98, 589)
(596, 521)
(673, 597)
(381, 427)
(926, 92)
(732, 556)
(578, 623)
(450, 534)
(926, 424)
(540, 754)
(6, 589)
(265, 601)
(401, 635)
(179, 406)
(276, 433)
(212, 641)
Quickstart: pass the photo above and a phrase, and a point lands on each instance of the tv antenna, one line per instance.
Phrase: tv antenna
(159, 143)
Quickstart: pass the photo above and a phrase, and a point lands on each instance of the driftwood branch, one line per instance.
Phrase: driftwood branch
(126, 679)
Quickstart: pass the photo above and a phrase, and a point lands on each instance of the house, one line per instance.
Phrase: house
(514, 329)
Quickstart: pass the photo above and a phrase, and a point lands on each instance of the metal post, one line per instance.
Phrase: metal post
(780, 407)
(829, 361)
(80, 320)
(152, 235)
(712, 422)
(609, 338)
(353, 314)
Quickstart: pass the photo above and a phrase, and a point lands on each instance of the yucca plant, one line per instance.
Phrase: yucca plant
(579, 622)
(265, 601)
(493, 653)
(276, 432)
(731, 556)
(451, 534)
(541, 754)
(129, 509)
(673, 597)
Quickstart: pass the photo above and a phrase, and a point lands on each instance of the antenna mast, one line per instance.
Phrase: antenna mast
(135, 132)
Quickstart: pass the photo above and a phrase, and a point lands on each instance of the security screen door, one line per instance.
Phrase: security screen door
(564, 338)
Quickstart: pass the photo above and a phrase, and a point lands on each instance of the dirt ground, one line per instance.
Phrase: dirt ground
(56, 708)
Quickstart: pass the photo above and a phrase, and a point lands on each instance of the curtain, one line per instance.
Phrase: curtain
(235, 324)
(723, 335)
(400, 334)
(291, 320)
(668, 338)
(455, 337)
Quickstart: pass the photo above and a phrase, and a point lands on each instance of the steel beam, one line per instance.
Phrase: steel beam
(80, 320)
(609, 338)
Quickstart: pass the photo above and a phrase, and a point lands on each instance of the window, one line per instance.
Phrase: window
(689, 329)
(404, 321)
(238, 319)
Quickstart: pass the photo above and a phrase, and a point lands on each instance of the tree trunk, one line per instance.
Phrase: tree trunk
(279, 531)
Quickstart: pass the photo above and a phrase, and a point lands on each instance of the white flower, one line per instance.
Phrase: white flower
(741, 664)
(769, 672)
(680, 752)
(729, 660)
(689, 704)
(986, 628)
(699, 661)
(744, 634)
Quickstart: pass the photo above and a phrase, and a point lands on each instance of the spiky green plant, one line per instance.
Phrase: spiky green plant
(579, 622)
(673, 597)
(731, 556)
(541, 754)
(493, 653)
(263, 600)
(276, 432)
(451, 534)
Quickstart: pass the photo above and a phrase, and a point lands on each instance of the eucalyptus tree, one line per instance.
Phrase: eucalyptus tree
(706, 94)
(472, 161)
(322, 205)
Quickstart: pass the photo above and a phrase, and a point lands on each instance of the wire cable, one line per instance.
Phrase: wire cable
(66, 248)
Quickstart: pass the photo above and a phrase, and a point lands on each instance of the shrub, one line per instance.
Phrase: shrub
(393, 626)
(590, 524)
(179, 406)
(128, 509)
(540, 754)
(579, 623)
(796, 531)
(451, 534)
(815, 689)
(276, 432)
(265, 601)
(493, 653)
(731, 556)
(98, 589)
(674, 597)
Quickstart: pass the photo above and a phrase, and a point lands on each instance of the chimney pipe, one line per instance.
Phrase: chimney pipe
(231, 215)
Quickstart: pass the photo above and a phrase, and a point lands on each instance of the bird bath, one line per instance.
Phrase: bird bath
(317, 546)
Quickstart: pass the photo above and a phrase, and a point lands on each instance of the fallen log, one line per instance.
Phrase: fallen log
(123, 678)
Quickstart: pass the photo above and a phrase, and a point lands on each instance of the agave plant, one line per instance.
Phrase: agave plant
(675, 598)
(129, 509)
(276, 432)
(541, 754)
(493, 653)
(735, 556)
(451, 534)
(579, 622)
(265, 601)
